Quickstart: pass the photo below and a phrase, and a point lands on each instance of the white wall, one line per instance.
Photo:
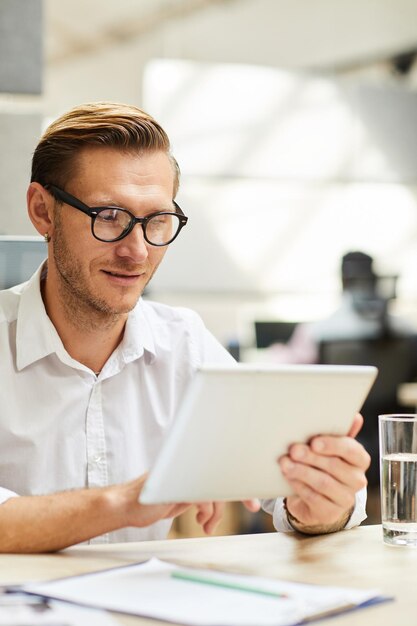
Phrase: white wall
(19, 133)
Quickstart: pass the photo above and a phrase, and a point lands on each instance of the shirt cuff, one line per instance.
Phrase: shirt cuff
(281, 523)
(359, 512)
(6, 494)
(279, 514)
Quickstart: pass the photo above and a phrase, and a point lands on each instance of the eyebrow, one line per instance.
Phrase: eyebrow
(102, 204)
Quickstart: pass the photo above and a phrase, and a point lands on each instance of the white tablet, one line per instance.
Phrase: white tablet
(236, 421)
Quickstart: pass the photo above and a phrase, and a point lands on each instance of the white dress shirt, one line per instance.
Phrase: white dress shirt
(62, 427)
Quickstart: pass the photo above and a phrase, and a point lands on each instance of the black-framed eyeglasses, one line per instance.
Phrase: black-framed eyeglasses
(109, 223)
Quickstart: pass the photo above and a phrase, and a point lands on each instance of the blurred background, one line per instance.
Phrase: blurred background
(294, 123)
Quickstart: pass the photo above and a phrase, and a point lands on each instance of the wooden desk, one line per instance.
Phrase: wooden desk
(353, 557)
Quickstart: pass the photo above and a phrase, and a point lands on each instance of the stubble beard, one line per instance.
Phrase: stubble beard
(82, 307)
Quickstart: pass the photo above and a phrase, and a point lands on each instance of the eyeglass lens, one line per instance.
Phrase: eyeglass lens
(159, 229)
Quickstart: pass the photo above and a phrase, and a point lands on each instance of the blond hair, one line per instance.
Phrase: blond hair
(107, 124)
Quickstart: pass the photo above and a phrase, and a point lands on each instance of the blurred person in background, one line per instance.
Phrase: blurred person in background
(362, 314)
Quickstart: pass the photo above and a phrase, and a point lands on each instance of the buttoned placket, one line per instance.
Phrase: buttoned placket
(97, 470)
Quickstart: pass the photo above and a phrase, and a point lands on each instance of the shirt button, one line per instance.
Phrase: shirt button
(97, 459)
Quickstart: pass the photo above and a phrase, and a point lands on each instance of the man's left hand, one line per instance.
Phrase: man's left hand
(325, 475)
(209, 514)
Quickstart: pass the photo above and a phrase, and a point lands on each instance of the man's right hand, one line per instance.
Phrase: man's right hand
(54, 522)
(124, 501)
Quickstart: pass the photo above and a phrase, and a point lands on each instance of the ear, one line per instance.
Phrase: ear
(40, 206)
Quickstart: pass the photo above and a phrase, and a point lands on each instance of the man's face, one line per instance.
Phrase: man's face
(110, 277)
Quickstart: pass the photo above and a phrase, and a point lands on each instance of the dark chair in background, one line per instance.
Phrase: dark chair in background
(396, 359)
(19, 257)
(269, 332)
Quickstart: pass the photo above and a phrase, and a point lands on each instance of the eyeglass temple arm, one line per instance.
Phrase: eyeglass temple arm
(66, 197)
(60, 194)
(178, 209)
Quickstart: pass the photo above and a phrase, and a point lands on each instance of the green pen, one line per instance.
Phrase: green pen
(208, 580)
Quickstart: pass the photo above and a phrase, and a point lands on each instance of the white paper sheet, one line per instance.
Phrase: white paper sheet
(148, 589)
(21, 610)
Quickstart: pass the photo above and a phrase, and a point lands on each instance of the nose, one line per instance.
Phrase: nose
(133, 246)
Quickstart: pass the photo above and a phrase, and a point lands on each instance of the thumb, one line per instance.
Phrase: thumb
(356, 425)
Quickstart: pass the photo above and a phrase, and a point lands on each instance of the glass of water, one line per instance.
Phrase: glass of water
(398, 465)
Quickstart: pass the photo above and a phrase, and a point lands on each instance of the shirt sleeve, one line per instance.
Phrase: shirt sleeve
(281, 523)
(6, 494)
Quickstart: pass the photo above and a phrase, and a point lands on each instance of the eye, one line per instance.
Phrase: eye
(159, 220)
(108, 215)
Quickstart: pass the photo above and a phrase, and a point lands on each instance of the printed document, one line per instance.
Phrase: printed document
(164, 591)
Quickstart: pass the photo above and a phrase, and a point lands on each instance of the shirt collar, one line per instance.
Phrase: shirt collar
(34, 329)
(36, 336)
(137, 339)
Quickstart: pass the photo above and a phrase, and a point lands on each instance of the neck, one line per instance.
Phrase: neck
(89, 336)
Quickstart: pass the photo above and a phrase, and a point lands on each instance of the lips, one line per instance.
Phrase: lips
(124, 278)
(121, 275)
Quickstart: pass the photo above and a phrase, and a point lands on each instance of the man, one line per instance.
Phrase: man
(92, 375)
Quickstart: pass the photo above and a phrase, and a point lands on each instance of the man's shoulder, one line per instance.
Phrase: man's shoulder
(180, 331)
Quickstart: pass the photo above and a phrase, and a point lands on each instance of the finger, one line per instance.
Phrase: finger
(252, 505)
(209, 515)
(322, 483)
(173, 510)
(356, 425)
(310, 507)
(350, 475)
(204, 512)
(345, 448)
(356, 457)
(213, 521)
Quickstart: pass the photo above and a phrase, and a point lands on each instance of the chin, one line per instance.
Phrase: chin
(123, 306)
